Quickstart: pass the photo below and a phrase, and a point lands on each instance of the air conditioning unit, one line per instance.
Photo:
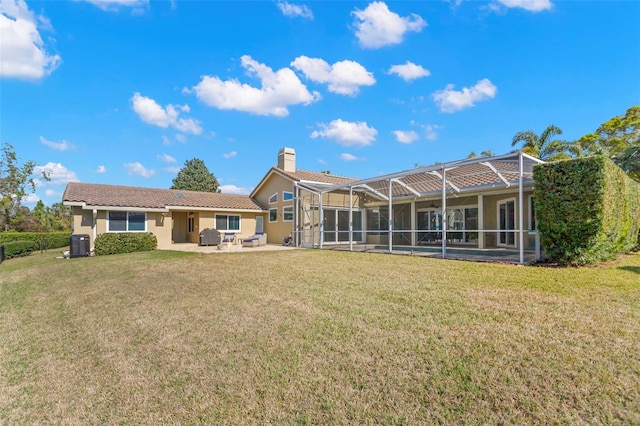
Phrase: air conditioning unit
(79, 245)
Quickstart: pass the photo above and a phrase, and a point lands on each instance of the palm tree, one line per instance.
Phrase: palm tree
(543, 146)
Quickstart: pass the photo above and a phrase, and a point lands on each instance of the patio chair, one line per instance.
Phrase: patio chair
(256, 240)
(228, 237)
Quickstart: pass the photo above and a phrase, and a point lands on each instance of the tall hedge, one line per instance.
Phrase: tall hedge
(124, 242)
(46, 240)
(587, 210)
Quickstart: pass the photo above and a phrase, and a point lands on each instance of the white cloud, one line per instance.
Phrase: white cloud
(405, 136)
(114, 5)
(58, 174)
(151, 112)
(63, 145)
(175, 170)
(409, 71)
(101, 169)
(294, 10)
(166, 158)
(449, 100)
(430, 130)
(323, 162)
(278, 90)
(138, 169)
(24, 54)
(232, 189)
(30, 199)
(530, 5)
(349, 157)
(181, 138)
(344, 77)
(347, 133)
(377, 26)
(230, 154)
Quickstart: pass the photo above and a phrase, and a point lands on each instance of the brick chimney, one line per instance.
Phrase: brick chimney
(287, 159)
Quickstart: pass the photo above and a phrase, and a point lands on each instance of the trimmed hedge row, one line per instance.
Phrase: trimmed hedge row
(588, 210)
(46, 240)
(19, 248)
(124, 242)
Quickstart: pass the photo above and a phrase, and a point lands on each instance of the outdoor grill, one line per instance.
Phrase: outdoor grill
(209, 237)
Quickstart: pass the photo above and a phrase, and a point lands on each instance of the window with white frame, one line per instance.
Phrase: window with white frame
(126, 222)
(228, 222)
(287, 214)
(273, 198)
(191, 223)
(287, 196)
(273, 215)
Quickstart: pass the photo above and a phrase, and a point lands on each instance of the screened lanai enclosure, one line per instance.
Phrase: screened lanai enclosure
(480, 207)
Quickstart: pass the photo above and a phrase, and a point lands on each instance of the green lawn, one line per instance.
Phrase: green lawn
(316, 337)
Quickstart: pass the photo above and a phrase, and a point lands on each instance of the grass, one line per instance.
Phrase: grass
(316, 337)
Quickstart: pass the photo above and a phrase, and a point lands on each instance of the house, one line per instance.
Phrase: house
(173, 216)
(481, 203)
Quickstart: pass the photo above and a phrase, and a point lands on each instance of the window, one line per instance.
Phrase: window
(228, 222)
(507, 222)
(273, 215)
(287, 196)
(191, 223)
(127, 222)
(273, 198)
(287, 214)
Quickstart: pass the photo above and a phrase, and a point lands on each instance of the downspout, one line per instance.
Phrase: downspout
(350, 218)
(521, 205)
(320, 222)
(390, 218)
(443, 219)
(95, 229)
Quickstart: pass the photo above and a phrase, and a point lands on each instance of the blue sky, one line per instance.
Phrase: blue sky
(125, 91)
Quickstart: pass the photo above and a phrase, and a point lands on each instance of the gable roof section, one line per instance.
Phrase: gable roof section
(91, 195)
(318, 178)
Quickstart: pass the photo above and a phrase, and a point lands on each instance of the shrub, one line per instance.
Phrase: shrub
(44, 240)
(588, 210)
(19, 248)
(125, 242)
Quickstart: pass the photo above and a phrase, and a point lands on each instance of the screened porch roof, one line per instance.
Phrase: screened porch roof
(471, 174)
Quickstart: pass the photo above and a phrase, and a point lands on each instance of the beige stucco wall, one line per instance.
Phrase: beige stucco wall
(167, 228)
(279, 229)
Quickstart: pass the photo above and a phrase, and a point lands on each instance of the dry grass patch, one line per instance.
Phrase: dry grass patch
(316, 337)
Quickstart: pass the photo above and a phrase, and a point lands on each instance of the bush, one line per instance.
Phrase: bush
(588, 210)
(44, 240)
(19, 248)
(124, 242)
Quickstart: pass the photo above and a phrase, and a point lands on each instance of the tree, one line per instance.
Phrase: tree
(15, 183)
(543, 146)
(195, 176)
(485, 153)
(618, 139)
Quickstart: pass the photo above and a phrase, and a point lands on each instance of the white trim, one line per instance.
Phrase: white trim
(275, 194)
(108, 220)
(209, 209)
(283, 213)
(215, 222)
(276, 210)
(515, 215)
(283, 197)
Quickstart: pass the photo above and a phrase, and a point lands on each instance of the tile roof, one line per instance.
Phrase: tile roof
(318, 177)
(152, 198)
